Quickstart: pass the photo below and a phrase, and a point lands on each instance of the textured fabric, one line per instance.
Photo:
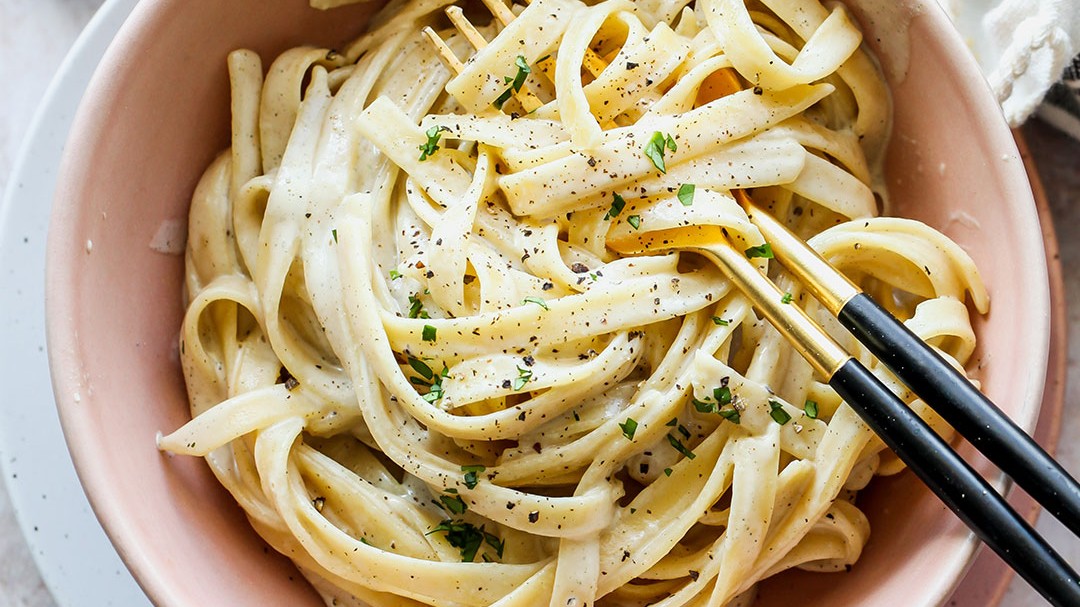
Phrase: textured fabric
(1023, 47)
(1061, 107)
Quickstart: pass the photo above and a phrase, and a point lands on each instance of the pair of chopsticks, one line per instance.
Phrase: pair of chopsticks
(914, 362)
(928, 375)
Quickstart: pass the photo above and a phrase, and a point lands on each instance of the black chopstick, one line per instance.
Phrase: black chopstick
(973, 415)
(966, 493)
(955, 482)
(951, 478)
(928, 375)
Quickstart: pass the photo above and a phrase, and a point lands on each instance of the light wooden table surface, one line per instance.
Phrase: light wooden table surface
(36, 34)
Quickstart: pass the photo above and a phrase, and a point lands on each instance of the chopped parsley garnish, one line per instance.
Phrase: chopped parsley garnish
(629, 427)
(503, 98)
(654, 149)
(470, 477)
(722, 395)
(536, 300)
(634, 221)
(732, 415)
(681, 448)
(810, 408)
(394, 275)
(524, 375)
(686, 194)
(721, 321)
(787, 297)
(416, 308)
(516, 81)
(463, 536)
(667, 471)
(764, 251)
(776, 411)
(428, 379)
(703, 406)
(422, 368)
(433, 134)
(435, 391)
(494, 542)
(454, 505)
(617, 205)
(334, 234)
(428, 333)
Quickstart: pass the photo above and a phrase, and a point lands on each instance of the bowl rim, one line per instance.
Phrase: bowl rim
(62, 334)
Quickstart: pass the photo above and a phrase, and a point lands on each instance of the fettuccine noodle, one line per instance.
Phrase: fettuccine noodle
(415, 364)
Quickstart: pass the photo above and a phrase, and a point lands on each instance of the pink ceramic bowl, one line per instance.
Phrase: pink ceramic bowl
(156, 113)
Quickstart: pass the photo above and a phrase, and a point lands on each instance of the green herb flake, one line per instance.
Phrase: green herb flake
(435, 387)
(494, 542)
(422, 368)
(720, 321)
(686, 194)
(503, 98)
(654, 149)
(522, 73)
(810, 408)
(667, 471)
(394, 275)
(776, 411)
(629, 427)
(416, 308)
(428, 333)
(703, 406)
(722, 395)
(463, 536)
(536, 300)
(471, 478)
(764, 251)
(680, 447)
(787, 297)
(334, 234)
(516, 81)
(634, 221)
(429, 148)
(435, 392)
(524, 375)
(732, 415)
(617, 205)
(453, 504)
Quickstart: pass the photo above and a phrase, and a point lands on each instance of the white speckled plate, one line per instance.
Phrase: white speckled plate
(76, 560)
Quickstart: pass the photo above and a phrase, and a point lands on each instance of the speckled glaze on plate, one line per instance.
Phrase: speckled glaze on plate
(77, 563)
(142, 138)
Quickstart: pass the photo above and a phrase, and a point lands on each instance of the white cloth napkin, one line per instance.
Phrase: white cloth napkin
(1023, 47)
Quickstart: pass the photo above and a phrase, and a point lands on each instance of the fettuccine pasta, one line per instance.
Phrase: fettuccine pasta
(416, 365)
